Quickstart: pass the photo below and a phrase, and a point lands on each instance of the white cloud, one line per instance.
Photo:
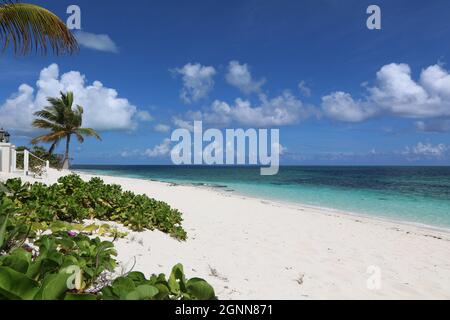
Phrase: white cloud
(434, 125)
(100, 42)
(144, 116)
(284, 109)
(397, 93)
(162, 128)
(341, 106)
(159, 150)
(17, 111)
(219, 114)
(304, 89)
(197, 81)
(130, 153)
(427, 150)
(239, 75)
(103, 109)
(436, 80)
(183, 124)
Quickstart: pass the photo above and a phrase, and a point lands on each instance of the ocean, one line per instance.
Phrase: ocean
(411, 194)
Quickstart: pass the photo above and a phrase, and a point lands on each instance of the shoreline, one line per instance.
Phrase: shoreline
(294, 205)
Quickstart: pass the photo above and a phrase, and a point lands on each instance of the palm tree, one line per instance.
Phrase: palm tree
(63, 122)
(30, 27)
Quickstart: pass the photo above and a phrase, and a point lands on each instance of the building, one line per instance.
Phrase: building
(8, 157)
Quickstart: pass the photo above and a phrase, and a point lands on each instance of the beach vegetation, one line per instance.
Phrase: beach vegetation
(12, 234)
(134, 286)
(48, 253)
(74, 200)
(72, 267)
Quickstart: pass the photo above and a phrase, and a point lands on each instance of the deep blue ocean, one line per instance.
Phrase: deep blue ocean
(413, 194)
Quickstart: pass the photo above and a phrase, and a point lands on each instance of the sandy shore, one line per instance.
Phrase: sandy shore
(250, 248)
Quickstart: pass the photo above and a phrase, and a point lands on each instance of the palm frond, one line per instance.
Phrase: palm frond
(78, 116)
(47, 114)
(88, 132)
(44, 124)
(80, 138)
(51, 137)
(67, 98)
(32, 28)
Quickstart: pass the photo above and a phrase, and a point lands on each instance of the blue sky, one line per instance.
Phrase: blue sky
(338, 92)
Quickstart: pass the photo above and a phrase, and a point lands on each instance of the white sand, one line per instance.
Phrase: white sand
(253, 249)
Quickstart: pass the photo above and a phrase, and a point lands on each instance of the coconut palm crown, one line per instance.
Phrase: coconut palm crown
(63, 121)
(28, 28)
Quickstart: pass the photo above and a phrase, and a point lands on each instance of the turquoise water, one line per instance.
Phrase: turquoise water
(413, 194)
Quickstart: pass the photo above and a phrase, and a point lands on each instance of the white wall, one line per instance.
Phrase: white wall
(5, 157)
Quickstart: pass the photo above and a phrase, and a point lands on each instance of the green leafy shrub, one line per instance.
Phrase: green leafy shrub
(92, 256)
(104, 229)
(47, 274)
(134, 286)
(71, 265)
(72, 200)
(12, 232)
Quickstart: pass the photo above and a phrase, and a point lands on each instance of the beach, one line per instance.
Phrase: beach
(250, 248)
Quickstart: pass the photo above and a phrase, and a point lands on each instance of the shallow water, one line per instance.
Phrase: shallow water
(414, 194)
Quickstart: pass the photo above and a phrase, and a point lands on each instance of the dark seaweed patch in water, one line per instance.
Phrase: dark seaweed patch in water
(219, 186)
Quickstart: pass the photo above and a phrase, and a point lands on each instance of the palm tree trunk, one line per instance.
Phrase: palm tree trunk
(52, 148)
(66, 164)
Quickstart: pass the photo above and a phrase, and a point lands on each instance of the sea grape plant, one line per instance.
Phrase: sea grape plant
(67, 266)
(73, 200)
(134, 286)
(45, 273)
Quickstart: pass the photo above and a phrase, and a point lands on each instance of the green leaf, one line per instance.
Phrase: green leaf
(107, 294)
(91, 228)
(177, 279)
(137, 277)
(80, 296)
(142, 292)
(3, 231)
(16, 286)
(163, 291)
(122, 286)
(41, 266)
(18, 260)
(54, 286)
(200, 289)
